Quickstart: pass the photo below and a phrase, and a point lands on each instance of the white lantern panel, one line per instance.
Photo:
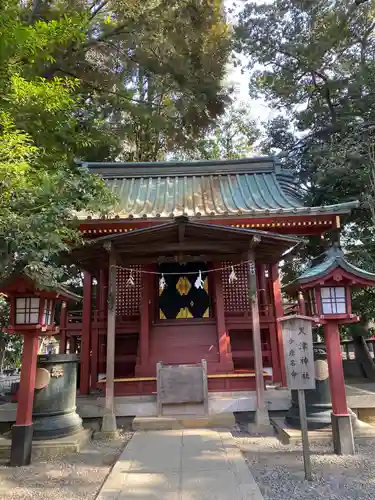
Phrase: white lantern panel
(20, 318)
(340, 292)
(20, 303)
(333, 300)
(34, 317)
(27, 310)
(34, 302)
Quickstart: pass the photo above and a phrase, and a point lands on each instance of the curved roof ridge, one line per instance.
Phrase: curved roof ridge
(111, 170)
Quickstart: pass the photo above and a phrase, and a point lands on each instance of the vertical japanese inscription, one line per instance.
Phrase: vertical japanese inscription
(298, 352)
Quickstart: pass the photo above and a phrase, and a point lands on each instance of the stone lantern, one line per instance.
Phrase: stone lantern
(32, 311)
(324, 292)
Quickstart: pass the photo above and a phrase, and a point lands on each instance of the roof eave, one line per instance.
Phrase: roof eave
(241, 237)
(339, 209)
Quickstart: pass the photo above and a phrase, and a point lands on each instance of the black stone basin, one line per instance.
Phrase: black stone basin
(54, 411)
(318, 402)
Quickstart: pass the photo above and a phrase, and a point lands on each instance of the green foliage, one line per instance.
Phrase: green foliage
(150, 71)
(319, 70)
(41, 187)
(315, 63)
(97, 80)
(10, 345)
(231, 136)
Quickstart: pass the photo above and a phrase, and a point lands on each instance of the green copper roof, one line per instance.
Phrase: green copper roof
(251, 186)
(326, 263)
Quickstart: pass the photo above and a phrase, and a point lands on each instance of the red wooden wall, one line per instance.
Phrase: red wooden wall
(184, 341)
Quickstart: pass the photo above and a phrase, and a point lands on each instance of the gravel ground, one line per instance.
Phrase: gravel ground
(73, 477)
(278, 470)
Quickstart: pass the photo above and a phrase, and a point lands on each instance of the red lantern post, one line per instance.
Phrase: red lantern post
(327, 287)
(32, 312)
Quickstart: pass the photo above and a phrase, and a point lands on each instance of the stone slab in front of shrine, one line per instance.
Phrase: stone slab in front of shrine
(182, 384)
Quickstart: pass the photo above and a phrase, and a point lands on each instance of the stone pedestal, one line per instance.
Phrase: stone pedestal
(262, 424)
(342, 434)
(22, 431)
(22, 436)
(109, 424)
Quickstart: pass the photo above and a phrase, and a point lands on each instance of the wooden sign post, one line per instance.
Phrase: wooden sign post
(300, 370)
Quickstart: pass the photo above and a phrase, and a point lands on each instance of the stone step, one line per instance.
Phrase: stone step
(220, 420)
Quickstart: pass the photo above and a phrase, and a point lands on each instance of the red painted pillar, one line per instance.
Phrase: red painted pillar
(86, 334)
(63, 326)
(22, 431)
(143, 368)
(279, 313)
(99, 315)
(72, 344)
(336, 371)
(103, 291)
(276, 374)
(94, 352)
(97, 293)
(261, 274)
(27, 381)
(225, 352)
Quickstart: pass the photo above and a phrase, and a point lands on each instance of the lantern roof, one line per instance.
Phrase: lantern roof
(326, 265)
(20, 282)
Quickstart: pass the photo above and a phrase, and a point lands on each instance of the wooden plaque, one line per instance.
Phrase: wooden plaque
(298, 352)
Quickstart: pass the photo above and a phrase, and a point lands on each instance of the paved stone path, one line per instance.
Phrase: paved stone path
(181, 465)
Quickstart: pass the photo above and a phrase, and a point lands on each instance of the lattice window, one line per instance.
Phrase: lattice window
(128, 297)
(236, 294)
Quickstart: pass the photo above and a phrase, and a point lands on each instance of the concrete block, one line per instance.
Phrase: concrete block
(52, 447)
(109, 424)
(342, 435)
(262, 424)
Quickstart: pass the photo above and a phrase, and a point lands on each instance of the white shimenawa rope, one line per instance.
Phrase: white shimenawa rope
(158, 273)
(199, 282)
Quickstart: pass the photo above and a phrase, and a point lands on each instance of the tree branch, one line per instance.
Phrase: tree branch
(98, 8)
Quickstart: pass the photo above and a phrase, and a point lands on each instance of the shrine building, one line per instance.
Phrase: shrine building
(185, 269)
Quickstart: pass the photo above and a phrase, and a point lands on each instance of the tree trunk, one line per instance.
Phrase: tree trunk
(363, 357)
(2, 354)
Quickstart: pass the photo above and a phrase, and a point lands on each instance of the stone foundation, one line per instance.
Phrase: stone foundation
(52, 447)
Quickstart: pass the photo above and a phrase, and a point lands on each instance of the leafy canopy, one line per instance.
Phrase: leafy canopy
(41, 187)
(151, 71)
(95, 80)
(314, 62)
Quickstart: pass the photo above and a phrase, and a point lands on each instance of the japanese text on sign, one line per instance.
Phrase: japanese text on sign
(298, 353)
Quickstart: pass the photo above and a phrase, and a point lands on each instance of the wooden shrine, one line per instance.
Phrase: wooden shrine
(229, 222)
